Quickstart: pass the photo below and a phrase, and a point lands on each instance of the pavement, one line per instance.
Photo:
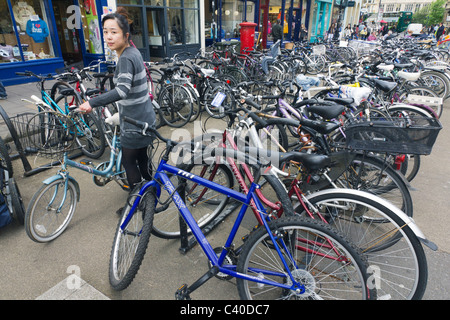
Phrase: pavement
(75, 265)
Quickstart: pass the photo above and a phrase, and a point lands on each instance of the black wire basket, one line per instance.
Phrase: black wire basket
(406, 135)
(48, 134)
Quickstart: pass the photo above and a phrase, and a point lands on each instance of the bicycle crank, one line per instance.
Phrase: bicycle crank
(101, 181)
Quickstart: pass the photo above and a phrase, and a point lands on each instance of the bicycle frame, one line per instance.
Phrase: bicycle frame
(246, 199)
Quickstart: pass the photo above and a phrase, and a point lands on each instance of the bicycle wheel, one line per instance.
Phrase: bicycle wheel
(393, 250)
(323, 262)
(89, 129)
(16, 201)
(218, 98)
(205, 204)
(176, 105)
(50, 210)
(131, 241)
(316, 64)
(371, 174)
(90, 136)
(436, 81)
(5, 159)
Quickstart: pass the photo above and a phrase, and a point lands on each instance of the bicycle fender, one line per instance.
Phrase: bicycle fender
(406, 219)
(59, 177)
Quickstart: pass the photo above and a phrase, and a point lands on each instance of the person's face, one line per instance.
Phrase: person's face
(113, 35)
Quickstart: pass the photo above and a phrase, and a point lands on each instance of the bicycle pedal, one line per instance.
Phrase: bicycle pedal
(182, 293)
(86, 162)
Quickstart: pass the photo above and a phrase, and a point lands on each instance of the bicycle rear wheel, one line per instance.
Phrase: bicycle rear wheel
(50, 210)
(131, 241)
(321, 260)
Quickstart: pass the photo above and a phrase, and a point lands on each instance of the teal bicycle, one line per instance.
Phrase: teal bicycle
(52, 207)
(90, 134)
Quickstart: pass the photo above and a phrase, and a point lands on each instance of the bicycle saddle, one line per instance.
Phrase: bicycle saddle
(91, 91)
(309, 160)
(385, 86)
(326, 111)
(343, 101)
(322, 127)
(170, 69)
(410, 76)
(67, 91)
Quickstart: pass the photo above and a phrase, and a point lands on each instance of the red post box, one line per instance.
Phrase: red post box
(247, 36)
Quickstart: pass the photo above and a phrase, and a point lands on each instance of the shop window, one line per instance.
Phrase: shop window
(192, 25)
(173, 3)
(32, 30)
(175, 28)
(9, 49)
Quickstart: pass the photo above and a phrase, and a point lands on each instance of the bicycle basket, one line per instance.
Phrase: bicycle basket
(319, 49)
(50, 134)
(408, 135)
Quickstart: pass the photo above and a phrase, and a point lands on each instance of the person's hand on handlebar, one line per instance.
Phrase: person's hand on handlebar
(85, 107)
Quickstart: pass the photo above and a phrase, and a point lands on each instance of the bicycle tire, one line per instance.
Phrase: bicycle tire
(16, 201)
(227, 104)
(5, 159)
(296, 232)
(140, 228)
(442, 88)
(90, 136)
(373, 175)
(36, 217)
(376, 227)
(316, 64)
(176, 105)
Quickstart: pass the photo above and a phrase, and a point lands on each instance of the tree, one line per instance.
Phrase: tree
(431, 14)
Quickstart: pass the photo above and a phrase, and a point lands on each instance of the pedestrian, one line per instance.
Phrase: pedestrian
(3, 95)
(348, 32)
(363, 33)
(277, 31)
(131, 96)
(372, 37)
(331, 31)
(440, 31)
(303, 33)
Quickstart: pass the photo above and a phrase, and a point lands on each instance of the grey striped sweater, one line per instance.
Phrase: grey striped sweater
(131, 95)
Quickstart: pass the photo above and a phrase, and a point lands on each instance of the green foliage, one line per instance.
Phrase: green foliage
(431, 14)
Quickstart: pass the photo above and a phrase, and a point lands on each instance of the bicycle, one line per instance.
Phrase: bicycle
(53, 205)
(287, 240)
(380, 229)
(90, 136)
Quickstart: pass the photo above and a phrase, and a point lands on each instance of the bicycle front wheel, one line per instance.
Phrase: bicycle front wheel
(325, 264)
(176, 105)
(50, 210)
(131, 241)
(394, 252)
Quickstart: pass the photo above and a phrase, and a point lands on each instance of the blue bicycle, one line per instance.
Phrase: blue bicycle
(284, 258)
(90, 135)
(52, 207)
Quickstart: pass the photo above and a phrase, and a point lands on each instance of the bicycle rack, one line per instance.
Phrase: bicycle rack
(21, 152)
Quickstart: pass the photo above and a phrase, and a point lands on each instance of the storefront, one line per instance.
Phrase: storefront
(321, 19)
(224, 16)
(162, 28)
(42, 35)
